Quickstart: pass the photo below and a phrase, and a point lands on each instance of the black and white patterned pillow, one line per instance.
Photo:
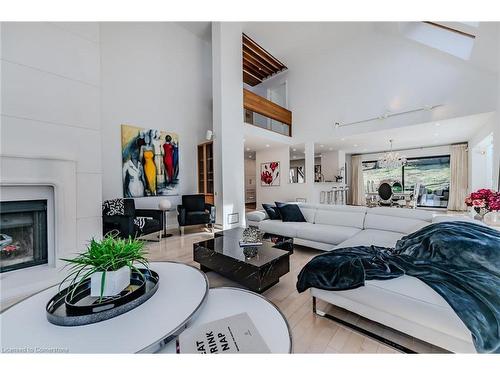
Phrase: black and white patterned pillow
(114, 207)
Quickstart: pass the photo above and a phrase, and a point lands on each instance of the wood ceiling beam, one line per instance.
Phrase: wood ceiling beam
(262, 52)
(259, 59)
(250, 79)
(258, 73)
(256, 64)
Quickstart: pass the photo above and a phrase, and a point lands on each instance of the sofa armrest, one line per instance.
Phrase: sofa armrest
(211, 210)
(181, 217)
(257, 216)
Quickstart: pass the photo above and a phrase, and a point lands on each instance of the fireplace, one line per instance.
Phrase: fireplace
(23, 234)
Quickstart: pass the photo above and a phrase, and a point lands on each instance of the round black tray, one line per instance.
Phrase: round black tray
(80, 308)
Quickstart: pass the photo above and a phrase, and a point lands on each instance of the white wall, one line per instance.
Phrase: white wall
(482, 168)
(286, 191)
(50, 105)
(250, 182)
(154, 75)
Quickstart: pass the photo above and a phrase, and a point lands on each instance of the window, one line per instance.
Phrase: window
(429, 175)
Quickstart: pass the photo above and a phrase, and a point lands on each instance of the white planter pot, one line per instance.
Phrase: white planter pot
(114, 282)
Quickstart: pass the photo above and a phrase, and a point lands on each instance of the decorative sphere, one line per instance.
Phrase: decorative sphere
(164, 205)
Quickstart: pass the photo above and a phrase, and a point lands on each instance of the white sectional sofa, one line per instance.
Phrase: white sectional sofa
(329, 227)
(405, 303)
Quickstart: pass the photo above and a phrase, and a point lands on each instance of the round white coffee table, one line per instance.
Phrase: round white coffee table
(182, 291)
(226, 301)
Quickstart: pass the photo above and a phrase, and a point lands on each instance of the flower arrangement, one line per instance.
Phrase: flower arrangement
(484, 200)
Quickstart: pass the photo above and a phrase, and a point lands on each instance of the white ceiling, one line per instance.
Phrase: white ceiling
(289, 40)
(285, 40)
(423, 135)
(429, 134)
(257, 143)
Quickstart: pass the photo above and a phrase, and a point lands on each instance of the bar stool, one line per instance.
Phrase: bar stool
(322, 197)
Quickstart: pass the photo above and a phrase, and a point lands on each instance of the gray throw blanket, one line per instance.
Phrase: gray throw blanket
(459, 260)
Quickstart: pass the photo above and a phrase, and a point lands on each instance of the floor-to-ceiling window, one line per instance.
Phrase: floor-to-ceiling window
(429, 176)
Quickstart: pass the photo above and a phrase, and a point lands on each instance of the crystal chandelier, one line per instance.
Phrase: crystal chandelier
(391, 159)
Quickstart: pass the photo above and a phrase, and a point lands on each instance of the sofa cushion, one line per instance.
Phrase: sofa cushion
(194, 202)
(197, 217)
(368, 237)
(309, 214)
(290, 212)
(403, 212)
(272, 211)
(393, 223)
(340, 217)
(278, 227)
(333, 234)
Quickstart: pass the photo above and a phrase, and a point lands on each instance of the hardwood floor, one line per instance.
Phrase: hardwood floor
(311, 333)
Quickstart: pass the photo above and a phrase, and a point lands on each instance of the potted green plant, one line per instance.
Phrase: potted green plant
(108, 263)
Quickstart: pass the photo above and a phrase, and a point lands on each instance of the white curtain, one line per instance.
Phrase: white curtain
(459, 176)
(358, 186)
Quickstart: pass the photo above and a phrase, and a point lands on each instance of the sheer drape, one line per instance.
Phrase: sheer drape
(358, 186)
(458, 178)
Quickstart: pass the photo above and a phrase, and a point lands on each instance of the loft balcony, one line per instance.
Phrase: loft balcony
(265, 114)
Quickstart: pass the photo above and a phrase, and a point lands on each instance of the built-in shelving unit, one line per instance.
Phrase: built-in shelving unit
(206, 171)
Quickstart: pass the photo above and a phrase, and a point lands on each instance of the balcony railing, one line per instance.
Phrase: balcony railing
(265, 114)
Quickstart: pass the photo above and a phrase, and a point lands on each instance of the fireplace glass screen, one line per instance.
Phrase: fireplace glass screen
(23, 234)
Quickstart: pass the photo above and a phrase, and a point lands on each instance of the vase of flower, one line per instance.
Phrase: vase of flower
(483, 202)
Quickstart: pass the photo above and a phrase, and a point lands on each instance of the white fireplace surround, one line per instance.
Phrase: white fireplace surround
(60, 176)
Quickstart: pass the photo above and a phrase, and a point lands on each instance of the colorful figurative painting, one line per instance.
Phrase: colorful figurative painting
(270, 173)
(150, 160)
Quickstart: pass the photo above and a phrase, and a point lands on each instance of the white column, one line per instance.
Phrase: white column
(227, 86)
(309, 155)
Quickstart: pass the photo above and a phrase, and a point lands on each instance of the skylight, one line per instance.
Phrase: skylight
(442, 37)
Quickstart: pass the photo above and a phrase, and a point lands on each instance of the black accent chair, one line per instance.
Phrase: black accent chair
(194, 211)
(121, 217)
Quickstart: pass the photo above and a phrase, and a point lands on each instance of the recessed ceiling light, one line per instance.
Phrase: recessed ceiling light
(248, 148)
(342, 139)
(294, 149)
(294, 157)
(321, 146)
(249, 156)
(355, 145)
(268, 146)
(331, 149)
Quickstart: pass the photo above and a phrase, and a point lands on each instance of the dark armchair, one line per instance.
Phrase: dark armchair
(194, 211)
(121, 216)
